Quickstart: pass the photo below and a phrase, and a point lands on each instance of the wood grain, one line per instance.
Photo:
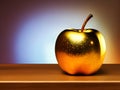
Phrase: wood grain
(50, 76)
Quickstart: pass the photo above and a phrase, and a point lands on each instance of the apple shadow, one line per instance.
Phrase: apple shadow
(100, 72)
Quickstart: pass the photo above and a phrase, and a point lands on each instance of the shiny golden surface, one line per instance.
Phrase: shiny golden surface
(86, 64)
(80, 52)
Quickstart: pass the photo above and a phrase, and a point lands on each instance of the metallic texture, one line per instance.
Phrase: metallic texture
(77, 43)
(80, 52)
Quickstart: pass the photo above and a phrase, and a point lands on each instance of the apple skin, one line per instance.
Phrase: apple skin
(80, 52)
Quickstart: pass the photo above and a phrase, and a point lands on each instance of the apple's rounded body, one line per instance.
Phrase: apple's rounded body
(80, 52)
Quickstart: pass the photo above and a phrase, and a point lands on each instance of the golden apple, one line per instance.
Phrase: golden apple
(80, 51)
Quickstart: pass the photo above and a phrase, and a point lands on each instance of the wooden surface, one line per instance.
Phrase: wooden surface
(50, 76)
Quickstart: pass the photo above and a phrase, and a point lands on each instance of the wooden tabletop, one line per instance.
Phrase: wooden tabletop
(51, 73)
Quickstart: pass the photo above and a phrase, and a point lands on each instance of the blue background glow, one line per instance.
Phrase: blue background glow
(29, 28)
(36, 37)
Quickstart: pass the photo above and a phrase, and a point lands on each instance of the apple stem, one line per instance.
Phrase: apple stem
(85, 22)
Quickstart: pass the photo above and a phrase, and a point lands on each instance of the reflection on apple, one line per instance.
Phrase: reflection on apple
(80, 51)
